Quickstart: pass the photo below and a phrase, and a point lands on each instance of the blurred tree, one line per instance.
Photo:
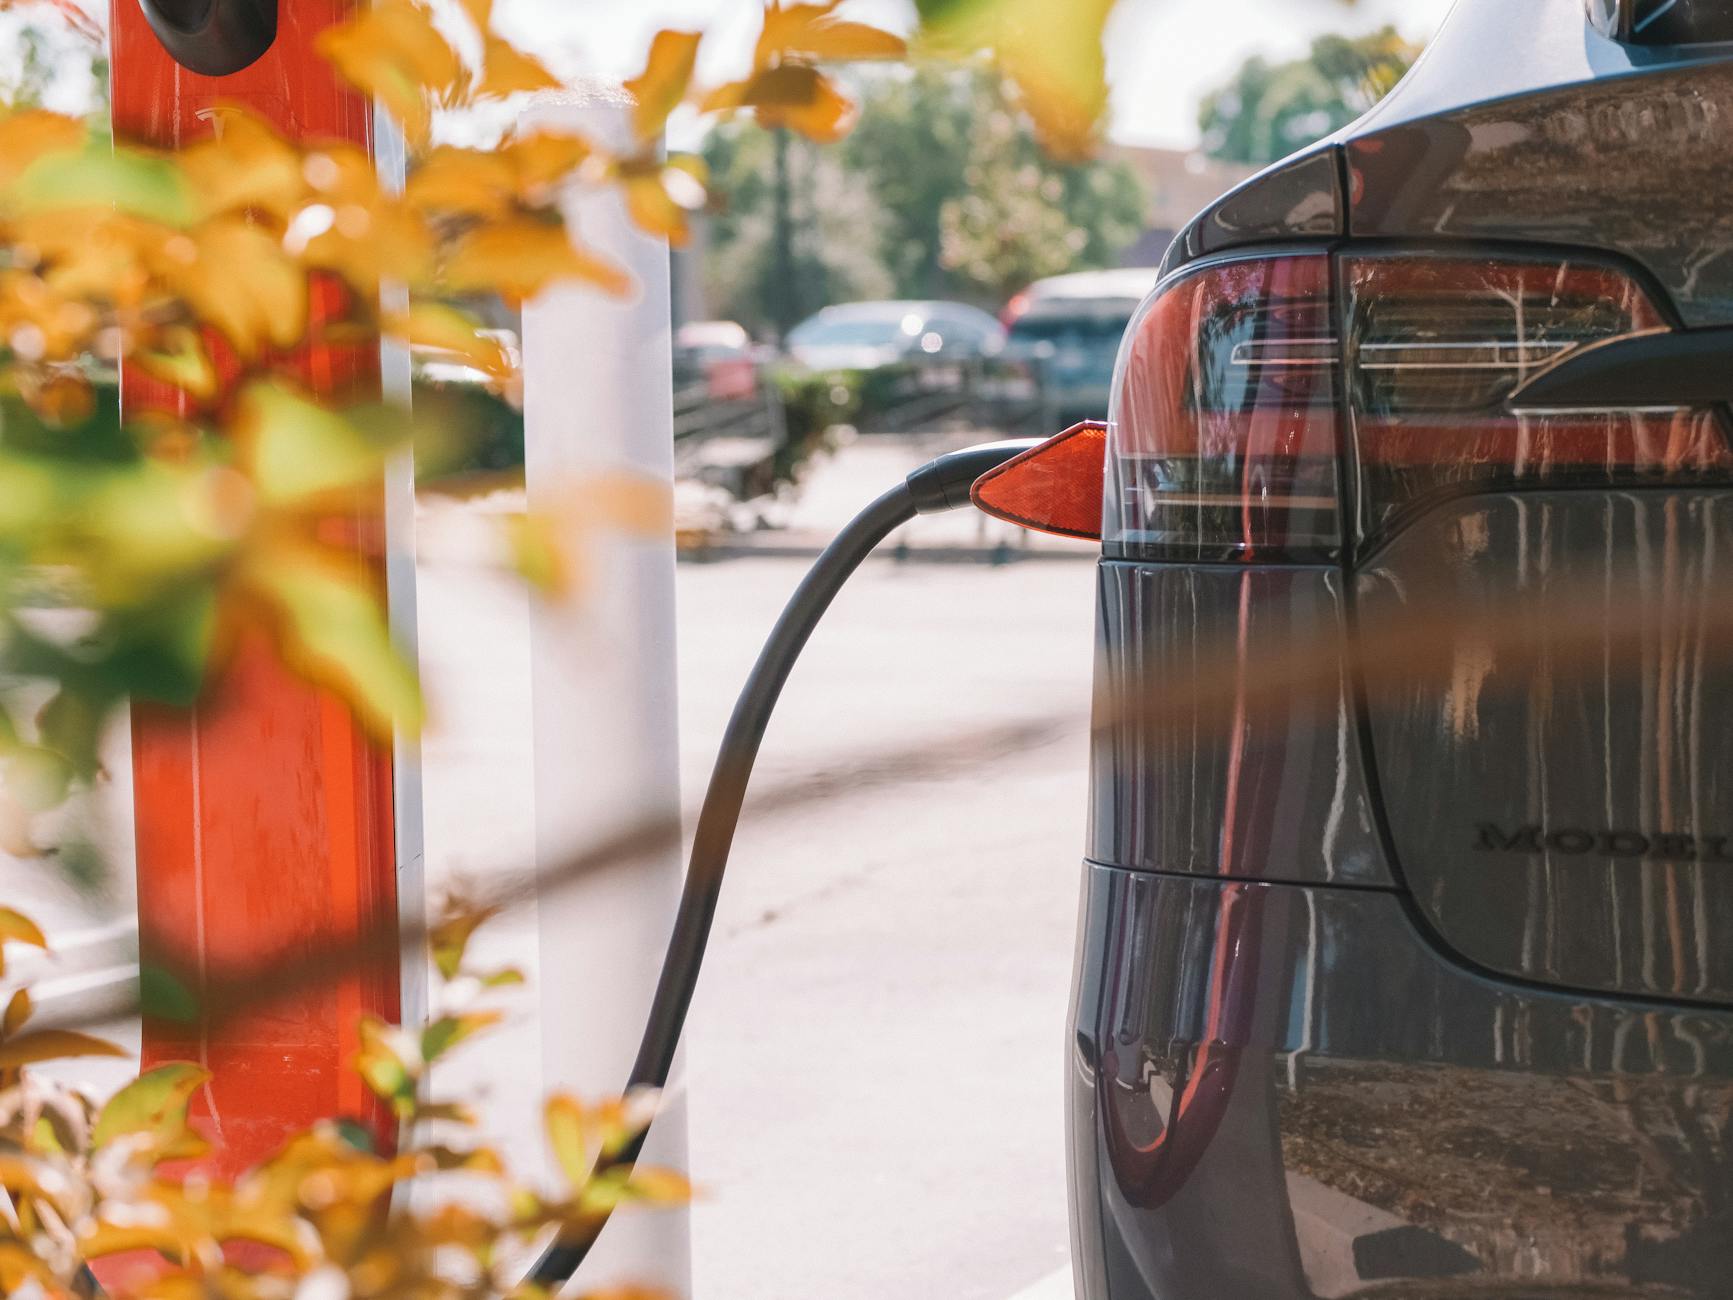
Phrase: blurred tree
(1267, 111)
(940, 191)
(797, 231)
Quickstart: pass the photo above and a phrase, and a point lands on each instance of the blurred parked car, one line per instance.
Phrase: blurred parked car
(721, 355)
(1064, 335)
(872, 335)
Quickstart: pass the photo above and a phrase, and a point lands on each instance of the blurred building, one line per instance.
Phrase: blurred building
(1179, 183)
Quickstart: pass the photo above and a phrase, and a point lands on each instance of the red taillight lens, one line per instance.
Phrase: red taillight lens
(1222, 431)
(1435, 345)
(1053, 488)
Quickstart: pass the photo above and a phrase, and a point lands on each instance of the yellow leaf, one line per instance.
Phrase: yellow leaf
(206, 267)
(393, 50)
(537, 553)
(154, 1104)
(541, 160)
(245, 165)
(667, 75)
(52, 1045)
(793, 95)
(299, 451)
(518, 259)
(813, 31)
(436, 326)
(1053, 53)
(463, 182)
(660, 194)
(568, 1128)
(507, 70)
(332, 629)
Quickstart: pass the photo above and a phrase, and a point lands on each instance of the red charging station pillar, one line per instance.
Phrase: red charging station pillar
(264, 816)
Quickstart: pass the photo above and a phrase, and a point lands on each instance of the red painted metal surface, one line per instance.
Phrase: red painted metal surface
(264, 817)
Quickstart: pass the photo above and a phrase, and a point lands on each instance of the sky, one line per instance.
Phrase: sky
(1163, 55)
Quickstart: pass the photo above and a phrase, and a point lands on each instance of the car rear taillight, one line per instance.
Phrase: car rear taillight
(1255, 396)
(1222, 440)
(1436, 345)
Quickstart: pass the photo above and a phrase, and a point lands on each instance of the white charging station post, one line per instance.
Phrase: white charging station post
(598, 403)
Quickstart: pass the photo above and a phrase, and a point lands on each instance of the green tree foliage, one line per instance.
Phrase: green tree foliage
(1267, 111)
(940, 191)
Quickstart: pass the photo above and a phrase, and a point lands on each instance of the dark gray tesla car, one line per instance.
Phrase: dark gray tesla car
(1406, 960)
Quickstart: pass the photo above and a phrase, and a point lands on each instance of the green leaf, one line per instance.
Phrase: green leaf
(131, 182)
(155, 1103)
(334, 631)
(70, 724)
(448, 1031)
(300, 450)
(449, 940)
(162, 996)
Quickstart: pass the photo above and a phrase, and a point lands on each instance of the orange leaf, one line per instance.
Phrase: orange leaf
(464, 182)
(445, 329)
(663, 83)
(27, 136)
(793, 95)
(393, 50)
(542, 160)
(518, 259)
(507, 70)
(246, 164)
(52, 1045)
(813, 31)
(205, 267)
(659, 193)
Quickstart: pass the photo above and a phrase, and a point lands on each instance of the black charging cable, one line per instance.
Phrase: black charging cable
(936, 487)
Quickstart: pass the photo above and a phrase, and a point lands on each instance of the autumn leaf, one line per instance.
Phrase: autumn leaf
(32, 134)
(519, 258)
(793, 95)
(449, 940)
(52, 1045)
(177, 355)
(435, 326)
(661, 193)
(507, 70)
(464, 182)
(125, 180)
(246, 165)
(332, 629)
(18, 1010)
(447, 1032)
(299, 450)
(15, 927)
(205, 266)
(814, 32)
(667, 75)
(1052, 53)
(393, 50)
(153, 1106)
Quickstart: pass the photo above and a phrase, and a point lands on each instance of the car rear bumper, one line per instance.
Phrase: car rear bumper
(1280, 1092)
